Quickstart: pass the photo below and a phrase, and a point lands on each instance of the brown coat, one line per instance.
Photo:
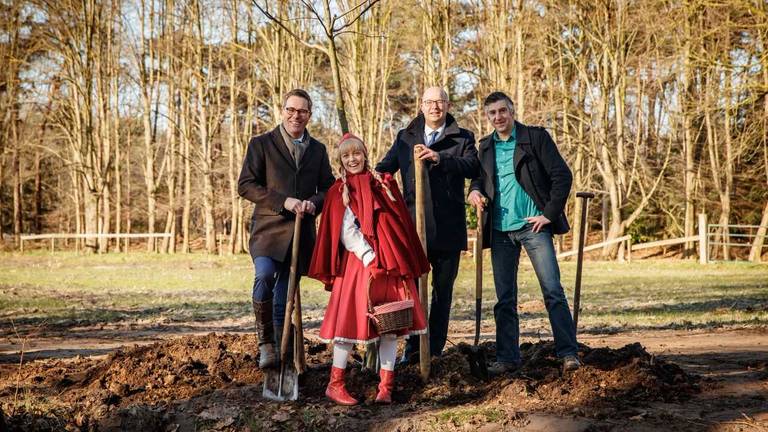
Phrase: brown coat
(269, 176)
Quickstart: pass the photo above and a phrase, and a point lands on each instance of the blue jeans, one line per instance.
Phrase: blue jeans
(505, 258)
(271, 283)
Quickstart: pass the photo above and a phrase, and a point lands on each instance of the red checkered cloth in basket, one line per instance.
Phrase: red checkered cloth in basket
(393, 306)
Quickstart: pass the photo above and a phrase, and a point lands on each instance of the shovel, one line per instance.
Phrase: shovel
(425, 364)
(478, 362)
(285, 385)
(585, 197)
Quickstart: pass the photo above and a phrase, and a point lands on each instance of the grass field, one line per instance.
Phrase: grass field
(67, 289)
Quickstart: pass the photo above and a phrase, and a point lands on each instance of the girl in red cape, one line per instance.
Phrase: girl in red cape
(366, 238)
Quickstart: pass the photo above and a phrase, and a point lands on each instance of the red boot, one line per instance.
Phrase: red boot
(385, 386)
(336, 390)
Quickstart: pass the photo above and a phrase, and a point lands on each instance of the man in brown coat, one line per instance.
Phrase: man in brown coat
(285, 172)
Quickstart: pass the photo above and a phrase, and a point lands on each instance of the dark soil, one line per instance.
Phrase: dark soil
(212, 383)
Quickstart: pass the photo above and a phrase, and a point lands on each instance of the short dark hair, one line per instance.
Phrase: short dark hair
(498, 96)
(299, 93)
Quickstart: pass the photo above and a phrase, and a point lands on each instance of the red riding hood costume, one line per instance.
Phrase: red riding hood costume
(385, 224)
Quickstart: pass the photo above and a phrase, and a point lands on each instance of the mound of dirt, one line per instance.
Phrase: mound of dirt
(212, 382)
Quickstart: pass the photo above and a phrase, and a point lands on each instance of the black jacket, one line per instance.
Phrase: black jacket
(539, 169)
(269, 175)
(445, 216)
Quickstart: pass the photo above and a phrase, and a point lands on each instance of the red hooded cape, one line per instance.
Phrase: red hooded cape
(385, 224)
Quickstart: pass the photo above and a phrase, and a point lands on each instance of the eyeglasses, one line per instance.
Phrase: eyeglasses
(439, 102)
(293, 111)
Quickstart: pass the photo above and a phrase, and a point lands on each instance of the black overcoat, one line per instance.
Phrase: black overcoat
(445, 215)
(540, 170)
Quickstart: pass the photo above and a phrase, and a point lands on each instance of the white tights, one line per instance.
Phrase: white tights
(387, 352)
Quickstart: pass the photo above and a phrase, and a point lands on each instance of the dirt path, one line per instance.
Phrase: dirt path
(206, 382)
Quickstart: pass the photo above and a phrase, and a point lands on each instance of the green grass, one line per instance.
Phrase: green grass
(462, 416)
(69, 288)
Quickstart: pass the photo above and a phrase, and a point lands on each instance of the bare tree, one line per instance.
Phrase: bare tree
(80, 32)
(332, 26)
(367, 65)
(761, 16)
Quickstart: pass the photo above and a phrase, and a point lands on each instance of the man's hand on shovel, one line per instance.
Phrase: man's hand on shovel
(477, 199)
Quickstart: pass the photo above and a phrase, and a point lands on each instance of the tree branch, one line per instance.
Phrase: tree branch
(362, 12)
(279, 22)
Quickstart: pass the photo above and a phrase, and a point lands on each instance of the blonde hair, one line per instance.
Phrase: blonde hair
(348, 143)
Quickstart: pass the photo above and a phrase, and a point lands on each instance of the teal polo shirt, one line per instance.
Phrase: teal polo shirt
(512, 204)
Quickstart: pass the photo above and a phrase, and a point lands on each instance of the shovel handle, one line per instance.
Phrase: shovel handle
(421, 229)
(291, 288)
(478, 273)
(585, 197)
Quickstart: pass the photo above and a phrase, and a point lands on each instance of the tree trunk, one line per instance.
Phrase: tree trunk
(756, 251)
(17, 194)
(336, 75)
(186, 144)
(118, 189)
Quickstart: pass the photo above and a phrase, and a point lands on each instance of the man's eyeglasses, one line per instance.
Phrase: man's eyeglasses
(300, 111)
(439, 102)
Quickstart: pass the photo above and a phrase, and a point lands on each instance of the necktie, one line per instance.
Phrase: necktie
(298, 146)
(432, 138)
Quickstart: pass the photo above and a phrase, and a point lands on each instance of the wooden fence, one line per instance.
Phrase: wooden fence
(703, 238)
(705, 232)
(64, 236)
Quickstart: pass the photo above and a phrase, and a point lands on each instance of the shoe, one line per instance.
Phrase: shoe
(571, 363)
(384, 396)
(265, 331)
(408, 359)
(336, 391)
(498, 368)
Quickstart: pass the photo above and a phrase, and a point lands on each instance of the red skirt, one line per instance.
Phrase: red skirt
(346, 318)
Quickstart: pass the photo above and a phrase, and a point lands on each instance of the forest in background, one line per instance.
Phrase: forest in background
(133, 116)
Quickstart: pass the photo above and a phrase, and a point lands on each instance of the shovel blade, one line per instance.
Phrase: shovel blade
(478, 361)
(481, 361)
(281, 385)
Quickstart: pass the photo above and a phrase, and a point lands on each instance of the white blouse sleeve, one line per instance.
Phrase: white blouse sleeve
(353, 239)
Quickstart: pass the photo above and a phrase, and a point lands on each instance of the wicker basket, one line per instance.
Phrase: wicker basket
(393, 316)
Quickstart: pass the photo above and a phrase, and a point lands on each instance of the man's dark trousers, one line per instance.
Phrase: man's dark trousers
(445, 268)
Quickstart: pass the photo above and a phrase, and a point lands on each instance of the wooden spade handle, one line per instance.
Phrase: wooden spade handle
(421, 229)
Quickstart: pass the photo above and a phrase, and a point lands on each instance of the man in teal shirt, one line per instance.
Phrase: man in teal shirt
(527, 183)
(513, 205)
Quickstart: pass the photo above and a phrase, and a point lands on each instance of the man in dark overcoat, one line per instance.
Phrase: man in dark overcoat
(285, 172)
(451, 157)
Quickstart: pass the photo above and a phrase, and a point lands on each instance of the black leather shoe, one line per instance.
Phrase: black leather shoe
(498, 368)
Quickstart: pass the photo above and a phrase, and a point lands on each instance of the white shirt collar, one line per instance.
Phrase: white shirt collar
(428, 131)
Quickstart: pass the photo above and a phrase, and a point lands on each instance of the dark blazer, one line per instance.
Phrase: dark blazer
(445, 215)
(269, 176)
(539, 169)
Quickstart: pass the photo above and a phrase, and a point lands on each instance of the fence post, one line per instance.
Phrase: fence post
(703, 239)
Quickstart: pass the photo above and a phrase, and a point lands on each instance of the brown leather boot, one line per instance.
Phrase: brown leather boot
(265, 331)
(336, 390)
(385, 386)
